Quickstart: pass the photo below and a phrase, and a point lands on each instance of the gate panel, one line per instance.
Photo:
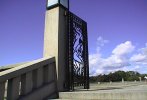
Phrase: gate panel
(78, 52)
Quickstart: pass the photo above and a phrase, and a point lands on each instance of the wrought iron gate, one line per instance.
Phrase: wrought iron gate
(78, 52)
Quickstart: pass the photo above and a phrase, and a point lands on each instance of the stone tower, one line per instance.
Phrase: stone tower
(55, 37)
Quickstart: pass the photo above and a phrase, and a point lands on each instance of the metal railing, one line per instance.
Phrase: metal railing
(32, 81)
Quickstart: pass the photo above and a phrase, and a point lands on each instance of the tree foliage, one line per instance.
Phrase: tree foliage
(118, 76)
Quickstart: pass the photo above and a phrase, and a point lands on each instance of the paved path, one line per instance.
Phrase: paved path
(131, 86)
(114, 91)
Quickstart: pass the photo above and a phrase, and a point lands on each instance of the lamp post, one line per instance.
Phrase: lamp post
(54, 3)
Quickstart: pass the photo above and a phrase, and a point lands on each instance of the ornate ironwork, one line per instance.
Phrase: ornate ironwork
(78, 52)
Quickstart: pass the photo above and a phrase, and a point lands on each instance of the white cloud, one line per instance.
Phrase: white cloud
(118, 60)
(141, 57)
(94, 61)
(131, 68)
(144, 50)
(138, 58)
(136, 67)
(101, 41)
(119, 57)
(123, 48)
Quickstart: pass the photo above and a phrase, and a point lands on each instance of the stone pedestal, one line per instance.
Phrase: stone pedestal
(55, 42)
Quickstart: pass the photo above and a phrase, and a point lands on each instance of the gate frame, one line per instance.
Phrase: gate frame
(70, 54)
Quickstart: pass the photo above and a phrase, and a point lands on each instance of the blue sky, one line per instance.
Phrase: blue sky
(117, 32)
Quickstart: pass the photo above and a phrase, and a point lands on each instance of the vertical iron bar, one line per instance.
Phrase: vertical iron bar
(84, 52)
(67, 56)
(87, 58)
(71, 51)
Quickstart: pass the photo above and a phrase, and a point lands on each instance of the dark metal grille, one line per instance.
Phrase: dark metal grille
(78, 52)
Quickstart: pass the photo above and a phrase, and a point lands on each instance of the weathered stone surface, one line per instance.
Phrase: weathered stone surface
(2, 90)
(128, 92)
(13, 88)
(21, 80)
(55, 41)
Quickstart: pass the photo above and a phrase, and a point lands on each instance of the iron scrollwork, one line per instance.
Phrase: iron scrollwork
(78, 52)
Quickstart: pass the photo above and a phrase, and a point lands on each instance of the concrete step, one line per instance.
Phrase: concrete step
(126, 93)
(104, 96)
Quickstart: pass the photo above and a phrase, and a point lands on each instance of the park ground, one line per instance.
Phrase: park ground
(109, 91)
